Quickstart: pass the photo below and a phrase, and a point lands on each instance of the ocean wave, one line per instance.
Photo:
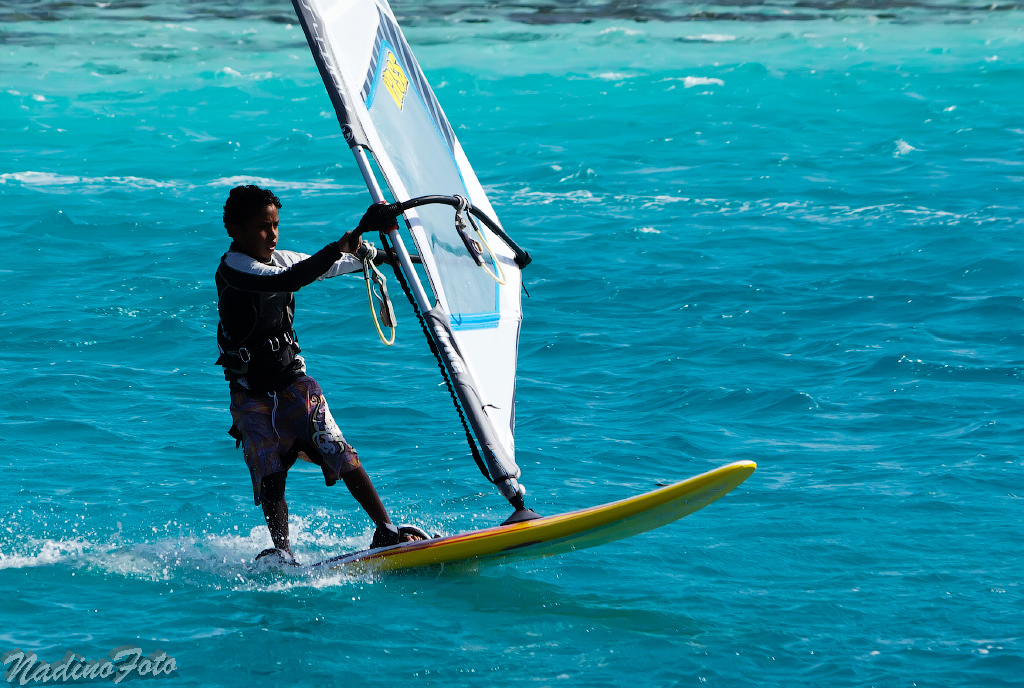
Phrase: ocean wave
(50, 181)
(816, 214)
(306, 185)
(904, 214)
(412, 13)
(549, 197)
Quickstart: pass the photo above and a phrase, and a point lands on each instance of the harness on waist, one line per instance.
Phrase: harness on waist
(265, 366)
(272, 345)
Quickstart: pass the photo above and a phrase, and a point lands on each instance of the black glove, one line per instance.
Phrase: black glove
(378, 217)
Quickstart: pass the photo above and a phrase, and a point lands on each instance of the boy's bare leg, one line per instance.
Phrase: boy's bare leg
(276, 514)
(359, 484)
(275, 509)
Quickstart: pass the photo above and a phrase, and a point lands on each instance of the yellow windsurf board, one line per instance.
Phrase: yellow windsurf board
(556, 534)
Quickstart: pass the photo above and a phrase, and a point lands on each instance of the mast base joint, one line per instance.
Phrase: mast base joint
(520, 516)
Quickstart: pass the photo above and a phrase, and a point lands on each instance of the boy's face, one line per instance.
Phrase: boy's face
(258, 236)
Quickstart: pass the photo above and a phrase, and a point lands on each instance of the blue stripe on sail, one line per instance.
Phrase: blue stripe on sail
(375, 56)
(475, 321)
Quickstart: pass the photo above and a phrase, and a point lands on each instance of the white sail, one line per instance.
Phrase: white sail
(386, 108)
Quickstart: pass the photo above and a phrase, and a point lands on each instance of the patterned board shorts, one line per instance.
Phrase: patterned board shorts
(276, 427)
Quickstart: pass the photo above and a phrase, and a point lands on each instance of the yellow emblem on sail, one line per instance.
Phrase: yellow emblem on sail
(395, 80)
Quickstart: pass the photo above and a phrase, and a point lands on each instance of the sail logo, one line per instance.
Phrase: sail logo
(445, 340)
(395, 80)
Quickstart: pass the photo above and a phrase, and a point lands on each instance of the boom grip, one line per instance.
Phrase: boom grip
(522, 257)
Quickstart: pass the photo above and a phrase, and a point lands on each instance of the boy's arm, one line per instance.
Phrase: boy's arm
(248, 274)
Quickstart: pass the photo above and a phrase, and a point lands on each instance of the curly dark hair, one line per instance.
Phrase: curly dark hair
(245, 201)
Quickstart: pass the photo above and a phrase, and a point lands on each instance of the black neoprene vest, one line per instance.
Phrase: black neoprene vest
(256, 338)
(255, 333)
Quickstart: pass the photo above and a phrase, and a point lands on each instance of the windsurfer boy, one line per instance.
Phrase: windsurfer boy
(278, 411)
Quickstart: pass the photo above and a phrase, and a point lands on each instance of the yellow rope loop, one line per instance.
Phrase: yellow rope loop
(500, 280)
(374, 276)
(388, 341)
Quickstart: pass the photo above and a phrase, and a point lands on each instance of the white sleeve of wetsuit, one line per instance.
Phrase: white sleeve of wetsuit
(347, 263)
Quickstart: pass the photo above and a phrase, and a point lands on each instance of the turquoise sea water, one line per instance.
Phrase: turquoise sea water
(784, 232)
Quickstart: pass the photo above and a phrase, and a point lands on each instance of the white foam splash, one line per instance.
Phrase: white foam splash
(902, 148)
(50, 552)
(255, 76)
(660, 200)
(620, 29)
(614, 76)
(712, 37)
(210, 560)
(691, 81)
